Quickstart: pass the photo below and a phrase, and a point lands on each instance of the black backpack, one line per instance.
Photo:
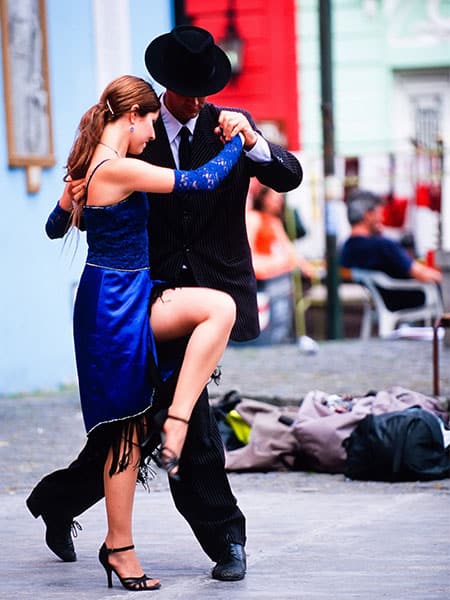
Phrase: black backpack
(405, 445)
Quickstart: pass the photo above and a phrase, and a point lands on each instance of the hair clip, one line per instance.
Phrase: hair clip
(109, 107)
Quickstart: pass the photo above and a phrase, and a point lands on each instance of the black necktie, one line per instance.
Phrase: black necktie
(184, 149)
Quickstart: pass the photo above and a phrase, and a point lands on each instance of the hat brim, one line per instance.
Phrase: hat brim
(168, 74)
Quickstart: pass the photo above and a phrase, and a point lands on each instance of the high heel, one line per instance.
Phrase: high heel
(135, 584)
(166, 458)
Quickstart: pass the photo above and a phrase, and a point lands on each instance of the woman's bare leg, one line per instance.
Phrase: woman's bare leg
(119, 499)
(207, 316)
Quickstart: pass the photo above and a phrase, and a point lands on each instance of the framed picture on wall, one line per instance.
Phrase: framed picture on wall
(26, 83)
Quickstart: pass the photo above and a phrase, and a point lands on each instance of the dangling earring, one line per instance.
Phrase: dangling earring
(131, 128)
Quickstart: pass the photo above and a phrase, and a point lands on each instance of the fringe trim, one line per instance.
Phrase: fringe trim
(122, 437)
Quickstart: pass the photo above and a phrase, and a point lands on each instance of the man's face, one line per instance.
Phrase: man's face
(374, 220)
(183, 108)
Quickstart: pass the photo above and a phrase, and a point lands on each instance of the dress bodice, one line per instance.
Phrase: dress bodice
(117, 234)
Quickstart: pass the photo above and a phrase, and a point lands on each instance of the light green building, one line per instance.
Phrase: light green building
(391, 88)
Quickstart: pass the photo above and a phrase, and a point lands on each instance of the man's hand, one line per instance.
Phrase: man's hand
(231, 123)
(73, 191)
(423, 273)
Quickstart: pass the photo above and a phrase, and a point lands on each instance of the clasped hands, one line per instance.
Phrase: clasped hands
(231, 123)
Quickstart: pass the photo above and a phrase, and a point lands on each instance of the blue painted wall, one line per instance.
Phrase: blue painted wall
(39, 275)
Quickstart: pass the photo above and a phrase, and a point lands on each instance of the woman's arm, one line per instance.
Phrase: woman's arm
(58, 222)
(119, 178)
(210, 175)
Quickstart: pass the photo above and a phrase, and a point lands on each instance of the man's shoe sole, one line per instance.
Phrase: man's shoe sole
(229, 578)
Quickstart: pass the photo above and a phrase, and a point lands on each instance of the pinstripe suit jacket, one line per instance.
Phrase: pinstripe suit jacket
(207, 229)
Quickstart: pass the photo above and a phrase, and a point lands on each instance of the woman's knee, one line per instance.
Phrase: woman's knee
(226, 308)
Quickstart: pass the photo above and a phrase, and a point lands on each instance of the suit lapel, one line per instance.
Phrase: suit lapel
(159, 152)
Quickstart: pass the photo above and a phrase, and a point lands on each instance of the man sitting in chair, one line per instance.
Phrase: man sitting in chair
(367, 248)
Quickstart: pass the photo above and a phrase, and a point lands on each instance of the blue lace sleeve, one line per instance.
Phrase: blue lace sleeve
(210, 175)
(57, 222)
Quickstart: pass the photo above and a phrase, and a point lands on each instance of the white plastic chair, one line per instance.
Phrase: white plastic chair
(351, 294)
(388, 319)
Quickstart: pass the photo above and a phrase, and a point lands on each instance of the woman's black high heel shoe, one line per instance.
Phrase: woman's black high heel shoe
(166, 458)
(135, 584)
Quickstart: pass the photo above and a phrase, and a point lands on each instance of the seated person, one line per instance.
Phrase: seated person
(273, 252)
(367, 248)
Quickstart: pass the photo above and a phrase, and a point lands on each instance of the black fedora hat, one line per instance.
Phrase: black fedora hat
(187, 61)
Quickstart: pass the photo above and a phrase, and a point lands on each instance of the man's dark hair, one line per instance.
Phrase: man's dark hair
(258, 200)
(359, 202)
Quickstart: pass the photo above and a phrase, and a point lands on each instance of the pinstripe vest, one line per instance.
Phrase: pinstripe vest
(207, 229)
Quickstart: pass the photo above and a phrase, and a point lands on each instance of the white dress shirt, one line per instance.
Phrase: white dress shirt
(259, 153)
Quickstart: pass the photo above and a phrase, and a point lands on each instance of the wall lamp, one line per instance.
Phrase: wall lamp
(232, 44)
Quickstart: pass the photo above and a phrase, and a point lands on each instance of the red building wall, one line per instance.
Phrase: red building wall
(267, 86)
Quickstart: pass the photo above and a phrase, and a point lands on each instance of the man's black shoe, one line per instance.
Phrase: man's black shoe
(232, 565)
(58, 535)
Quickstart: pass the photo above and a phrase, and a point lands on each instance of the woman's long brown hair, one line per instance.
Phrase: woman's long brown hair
(117, 99)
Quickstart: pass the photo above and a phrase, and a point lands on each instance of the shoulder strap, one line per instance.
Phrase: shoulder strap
(92, 173)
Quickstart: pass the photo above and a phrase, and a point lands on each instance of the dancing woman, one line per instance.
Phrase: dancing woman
(114, 337)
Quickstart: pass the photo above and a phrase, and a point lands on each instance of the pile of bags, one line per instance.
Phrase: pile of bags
(389, 435)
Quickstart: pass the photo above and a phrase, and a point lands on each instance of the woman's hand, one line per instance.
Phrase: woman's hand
(73, 191)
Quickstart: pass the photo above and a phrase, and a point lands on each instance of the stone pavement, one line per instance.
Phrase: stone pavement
(310, 536)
